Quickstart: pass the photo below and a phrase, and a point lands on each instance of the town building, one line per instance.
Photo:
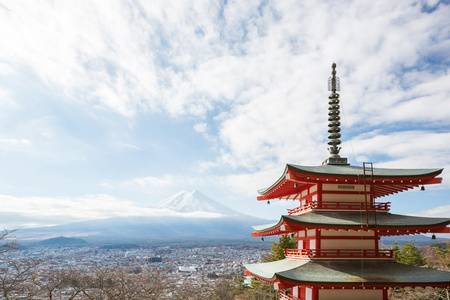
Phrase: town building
(338, 224)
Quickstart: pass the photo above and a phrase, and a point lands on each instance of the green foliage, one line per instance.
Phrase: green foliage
(212, 275)
(409, 255)
(396, 249)
(438, 256)
(239, 286)
(442, 258)
(277, 250)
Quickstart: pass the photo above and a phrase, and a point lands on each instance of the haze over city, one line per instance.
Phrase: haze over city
(108, 107)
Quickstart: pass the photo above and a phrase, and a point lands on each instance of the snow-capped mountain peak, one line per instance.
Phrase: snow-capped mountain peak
(193, 201)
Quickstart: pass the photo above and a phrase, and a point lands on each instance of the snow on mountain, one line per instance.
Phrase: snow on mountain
(185, 215)
(194, 201)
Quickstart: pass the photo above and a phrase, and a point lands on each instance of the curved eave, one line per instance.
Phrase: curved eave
(387, 223)
(289, 272)
(354, 171)
(267, 271)
(386, 181)
(278, 182)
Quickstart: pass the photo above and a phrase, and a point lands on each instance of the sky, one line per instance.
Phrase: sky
(108, 107)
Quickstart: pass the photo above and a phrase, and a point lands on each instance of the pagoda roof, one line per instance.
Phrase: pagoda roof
(385, 222)
(386, 181)
(347, 170)
(347, 273)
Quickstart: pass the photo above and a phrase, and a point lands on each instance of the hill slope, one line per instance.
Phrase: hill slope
(62, 241)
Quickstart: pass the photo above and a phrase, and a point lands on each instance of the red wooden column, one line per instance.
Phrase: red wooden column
(385, 294)
(319, 195)
(377, 244)
(315, 293)
(318, 241)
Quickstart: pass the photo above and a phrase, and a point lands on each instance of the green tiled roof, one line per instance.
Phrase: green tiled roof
(268, 270)
(345, 219)
(347, 272)
(352, 171)
(346, 170)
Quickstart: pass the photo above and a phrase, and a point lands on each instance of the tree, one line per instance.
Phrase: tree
(52, 281)
(437, 256)
(212, 275)
(259, 291)
(187, 291)
(123, 283)
(396, 249)
(410, 255)
(8, 243)
(277, 250)
(223, 290)
(410, 293)
(16, 276)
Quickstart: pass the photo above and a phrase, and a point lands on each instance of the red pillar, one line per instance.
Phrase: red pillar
(315, 293)
(385, 294)
(319, 194)
(377, 239)
(318, 242)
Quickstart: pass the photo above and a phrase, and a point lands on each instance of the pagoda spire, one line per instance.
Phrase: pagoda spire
(334, 124)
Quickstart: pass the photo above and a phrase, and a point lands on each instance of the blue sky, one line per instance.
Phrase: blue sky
(107, 107)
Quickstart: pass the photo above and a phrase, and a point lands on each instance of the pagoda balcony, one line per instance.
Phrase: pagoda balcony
(340, 206)
(383, 254)
(283, 296)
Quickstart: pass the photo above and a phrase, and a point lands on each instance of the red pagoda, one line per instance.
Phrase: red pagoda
(338, 225)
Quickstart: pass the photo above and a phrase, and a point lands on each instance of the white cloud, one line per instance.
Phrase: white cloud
(257, 69)
(184, 57)
(5, 97)
(42, 211)
(149, 183)
(407, 149)
(436, 212)
(13, 142)
(201, 127)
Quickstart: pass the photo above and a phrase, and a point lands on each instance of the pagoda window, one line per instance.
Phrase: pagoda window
(306, 239)
(295, 291)
(312, 244)
(308, 293)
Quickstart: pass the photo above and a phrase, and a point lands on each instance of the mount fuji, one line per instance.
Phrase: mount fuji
(194, 201)
(187, 215)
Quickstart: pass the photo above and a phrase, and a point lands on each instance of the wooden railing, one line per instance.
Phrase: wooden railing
(304, 208)
(339, 205)
(283, 296)
(339, 253)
